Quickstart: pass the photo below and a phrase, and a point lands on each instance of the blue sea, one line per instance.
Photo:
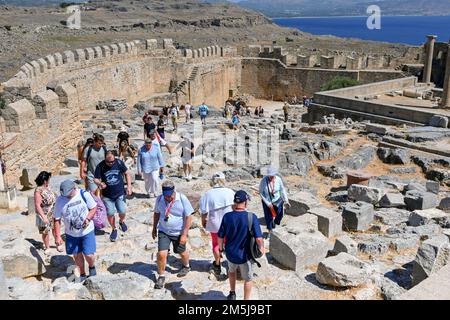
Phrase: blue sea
(410, 30)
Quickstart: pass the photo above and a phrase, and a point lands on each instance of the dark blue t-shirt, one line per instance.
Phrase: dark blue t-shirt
(113, 177)
(234, 229)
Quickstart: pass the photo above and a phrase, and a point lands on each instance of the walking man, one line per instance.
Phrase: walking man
(274, 196)
(171, 223)
(203, 111)
(286, 112)
(235, 230)
(92, 156)
(77, 208)
(109, 177)
(187, 110)
(150, 166)
(174, 115)
(214, 204)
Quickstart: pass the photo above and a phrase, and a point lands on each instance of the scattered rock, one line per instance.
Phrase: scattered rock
(417, 200)
(357, 216)
(374, 246)
(71, 162)
(357, 192)
(21, 259)
(392, 216)
(392, 200)
(301, 203)
(403, 170)
(432, 255)
(365, 294)
(445, 204)
(343, 270)
(394, 156)
(439, 121)
(421, 217)
(345, 244)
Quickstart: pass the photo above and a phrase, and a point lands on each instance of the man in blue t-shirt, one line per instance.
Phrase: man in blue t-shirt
(234, 233)
(109, 178)
(203, 111)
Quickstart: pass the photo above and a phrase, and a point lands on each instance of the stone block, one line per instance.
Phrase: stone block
(432, 186)
(432, 255)
(304, 223)
(329, 222)
(422, 217)
(18, 115)
(394, 156)
(343, 270)
(357, 216)
(21, 259)
(439, 121)
(168, 44)
(71, 162)
(357, 192)
(417, 200)
(301, 203)
(376, 128)
(445, 204)
(345, 244)
(297, 251)
(151, 44)
(392, 200)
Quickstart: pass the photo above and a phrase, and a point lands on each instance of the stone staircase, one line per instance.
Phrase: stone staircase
(180, 87)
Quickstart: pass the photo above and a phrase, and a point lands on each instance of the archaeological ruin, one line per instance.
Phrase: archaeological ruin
(367, 167)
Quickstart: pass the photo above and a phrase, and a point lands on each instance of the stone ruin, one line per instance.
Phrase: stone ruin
(370, 193)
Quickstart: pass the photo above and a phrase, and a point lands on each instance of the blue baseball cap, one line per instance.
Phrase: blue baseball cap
(168, 191)
(241, 196)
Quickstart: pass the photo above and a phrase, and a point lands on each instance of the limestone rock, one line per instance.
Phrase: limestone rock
(445, 204)
(343, 270)
(298, 250)
(61, 262)
(329, 222)
(365, 294)
(432, 255)
(432, 186)
(20, 289)
(71, 162)
(3, 287)
(304, 223)
(65, 290)
(357, 192)
(392, 200)
(394, 156)
(21, 259)
(392, 216)
(416, 200)
(439, 121)
(121, 286)
(345, 244)
(357, 216)
(301, 202)
(421, 217)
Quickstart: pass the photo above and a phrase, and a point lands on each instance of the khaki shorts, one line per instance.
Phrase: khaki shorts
(245, 269)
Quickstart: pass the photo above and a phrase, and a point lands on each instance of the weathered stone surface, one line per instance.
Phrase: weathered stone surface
(425, 231)
(21, 259)
(329, 222)
(445, 204)
(390, 290)
(71, 162)
(122, 286)
(403, 170)
(301, 203)
(61, 262)
(345, 244)
(432, 255)
(113, 104)
(20, 289)
(416, 200)
(374, 246)
(415, 186)
(298, 250)
(392, 200)
(403, 242)
(3, 287)
(421, 217)
(394, 156)
(392, 216)
(357, 216)
(304, 223)
(343, 270)
(338, 196)
(433, 187)
(439, 121)
(357, 192)
(65, 290)
(365, 294)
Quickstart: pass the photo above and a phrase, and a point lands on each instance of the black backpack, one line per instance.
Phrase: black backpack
(255, 252)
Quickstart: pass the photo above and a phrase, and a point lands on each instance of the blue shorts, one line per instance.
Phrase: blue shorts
(113, 206)
(202, 117)
(85, 244)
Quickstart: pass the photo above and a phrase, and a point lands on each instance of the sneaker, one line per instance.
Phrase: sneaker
(92, 272)
(123, 226)
(216, 268)
(183, 272)
(83, 277)
(60, 248)
(231, 296)
(113, 235)
(160, 282)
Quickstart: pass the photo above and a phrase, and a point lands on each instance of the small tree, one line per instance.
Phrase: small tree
(339, 83)
(2, 103)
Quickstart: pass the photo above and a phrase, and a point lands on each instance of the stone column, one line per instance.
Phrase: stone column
(446, 94)
(429, 59)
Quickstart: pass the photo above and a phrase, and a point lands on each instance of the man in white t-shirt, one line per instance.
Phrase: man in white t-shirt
(77, 208)
(187, 110)
(213, 206)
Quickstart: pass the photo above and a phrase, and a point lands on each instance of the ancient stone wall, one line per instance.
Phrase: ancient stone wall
(269, 78)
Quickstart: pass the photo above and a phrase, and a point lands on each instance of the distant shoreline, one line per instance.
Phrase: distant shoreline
(382, 15)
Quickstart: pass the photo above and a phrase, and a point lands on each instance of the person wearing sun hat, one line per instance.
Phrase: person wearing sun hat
(171, 222)
(274, 197)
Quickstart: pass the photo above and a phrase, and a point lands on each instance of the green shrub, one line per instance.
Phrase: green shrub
(64, 5)
(339, 83)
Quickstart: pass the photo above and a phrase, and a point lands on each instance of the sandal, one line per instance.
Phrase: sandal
(60, 248)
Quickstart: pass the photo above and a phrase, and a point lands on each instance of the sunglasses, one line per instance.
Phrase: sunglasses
(110, 162)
